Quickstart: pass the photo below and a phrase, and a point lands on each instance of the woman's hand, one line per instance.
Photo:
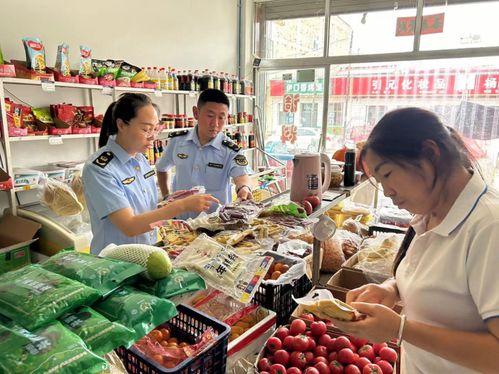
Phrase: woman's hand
(385, 294)
(198, 203)
(381, 324)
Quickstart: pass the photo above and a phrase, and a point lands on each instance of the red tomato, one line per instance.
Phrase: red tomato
(298, 359)
(324, 340)
(367, 351)
(385, 366)
(274, 344)
(281, 357)
(346, 356)
(309, 209)
(378, 346)
(318, 328)
(320, 359)
(264, 364)
(293, 370)
(309, 356)
(311, 344)
(264, 372)
(322, 368)
(277, 369)
(288, 342)
(358, 342)
(361, 362)
(352, 369)
(341, 342)
(336, 367)
(314, 200)
(320, 350)
(388, 354)
(331, 346)
(282, 332)
(300, 342)
(311, 370)
(332, 356)
(307, 316)
(372, 369)
(297, 327)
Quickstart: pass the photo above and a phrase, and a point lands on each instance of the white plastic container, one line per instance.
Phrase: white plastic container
(26, 177)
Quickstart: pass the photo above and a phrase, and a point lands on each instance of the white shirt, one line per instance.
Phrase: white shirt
(450, 274)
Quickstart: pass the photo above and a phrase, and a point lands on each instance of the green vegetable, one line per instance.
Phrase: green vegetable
(103, 274)
(179, 282)
(98, 333)
(154, 260)
(136, 310)
(290, 209)
(32, 296)
(1, 56)
(50, 349)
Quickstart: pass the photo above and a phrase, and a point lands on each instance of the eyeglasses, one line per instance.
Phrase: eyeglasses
(152, 132)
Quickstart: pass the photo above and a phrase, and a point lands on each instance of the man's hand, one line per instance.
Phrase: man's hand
(244, 193)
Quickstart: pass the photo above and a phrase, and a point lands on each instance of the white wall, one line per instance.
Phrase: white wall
(185, 34)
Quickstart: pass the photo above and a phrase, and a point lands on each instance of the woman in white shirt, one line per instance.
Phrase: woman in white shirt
(447, 270)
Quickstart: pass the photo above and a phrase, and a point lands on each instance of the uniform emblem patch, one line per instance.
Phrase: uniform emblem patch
(214, 165)
(182, 156)
(104, 159)
(149, 174)
(241, 160)
(128, 180)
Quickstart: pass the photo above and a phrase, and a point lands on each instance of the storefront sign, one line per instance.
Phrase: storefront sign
(291, 103)
(304, 88)
(432, 24)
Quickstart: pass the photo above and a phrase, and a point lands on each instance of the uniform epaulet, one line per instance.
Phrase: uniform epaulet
(104, 159)
(231, 145)
(178, 133)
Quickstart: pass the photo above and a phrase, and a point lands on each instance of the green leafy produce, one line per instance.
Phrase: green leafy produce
(136, 310)
(179, 282)
(32, 296)
(290, 209)
(103, 274)
(50, 349)
(98, 333)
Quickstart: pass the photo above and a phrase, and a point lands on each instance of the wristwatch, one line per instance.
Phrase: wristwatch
(241, 187)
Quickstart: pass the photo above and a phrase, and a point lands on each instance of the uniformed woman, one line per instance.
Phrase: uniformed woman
(120, 187)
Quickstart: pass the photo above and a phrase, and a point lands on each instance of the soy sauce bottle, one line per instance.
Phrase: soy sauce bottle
(349, 170)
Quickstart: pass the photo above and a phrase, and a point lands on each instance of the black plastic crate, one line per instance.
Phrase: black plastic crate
(188, 324)
(280, 298)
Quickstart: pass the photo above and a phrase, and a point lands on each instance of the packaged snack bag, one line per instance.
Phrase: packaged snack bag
(35, 54)
(85, 61)
(62, 60)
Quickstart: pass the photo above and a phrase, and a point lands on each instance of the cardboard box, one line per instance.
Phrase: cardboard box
(16, 235)
(5, 181)
(345, 280)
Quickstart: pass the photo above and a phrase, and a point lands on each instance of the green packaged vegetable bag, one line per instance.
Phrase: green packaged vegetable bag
(103, 274)
(50, 349)
(98, 333)
(32, 296)
(136, 309)
(179, 282)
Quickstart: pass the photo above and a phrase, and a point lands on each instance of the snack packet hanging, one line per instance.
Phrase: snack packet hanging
(50, 349)
(179, 282)
(32, 296)
(99, 67)
(99, 334)
(102, 274)
(222, 268)
(136, 310)
(126, 73)
(35, 54)
(85, 61)
(62, 60)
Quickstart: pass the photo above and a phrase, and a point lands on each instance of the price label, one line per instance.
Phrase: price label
(158, 93)
(48, 86)
(106, 90)
(27, 187)
(55, 139)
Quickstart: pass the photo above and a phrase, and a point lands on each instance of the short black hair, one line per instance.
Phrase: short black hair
(213, 96)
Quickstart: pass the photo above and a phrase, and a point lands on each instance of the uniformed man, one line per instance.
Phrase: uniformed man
(204, 156)
(119, 184)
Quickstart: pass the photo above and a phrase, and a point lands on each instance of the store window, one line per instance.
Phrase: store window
(308, 115)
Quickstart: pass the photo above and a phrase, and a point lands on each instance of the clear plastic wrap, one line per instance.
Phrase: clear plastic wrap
(297, 268)
(60, 198)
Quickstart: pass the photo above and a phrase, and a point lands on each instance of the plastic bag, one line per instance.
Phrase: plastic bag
(348, 242)
(295, 247)
(103, 274)
(181, 194)
(322, 303)
(291, 209)
(179, 282)
(136, 310)
(62, 60)
(35, 54)
(237, 275)
(32, 296)
(297, 268)
(50, 349)
(377, 254)
(240, 210)
(395, 216)
(98, 333)
(60, 198)
(85, 61)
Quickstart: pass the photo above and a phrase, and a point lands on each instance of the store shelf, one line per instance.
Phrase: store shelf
(48, 137)
(237, 125)
(32, 82)
(27, 187)
(268, 171)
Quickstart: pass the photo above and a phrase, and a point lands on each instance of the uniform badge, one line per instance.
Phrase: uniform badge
(241, 160)
(104, 159)
(231, 145)
(178, 133)
(149, 174)
(128, 180)
(214, 165)
(182, 156)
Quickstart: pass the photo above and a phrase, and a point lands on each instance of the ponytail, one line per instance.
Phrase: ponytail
(409, 235)
(125, 108)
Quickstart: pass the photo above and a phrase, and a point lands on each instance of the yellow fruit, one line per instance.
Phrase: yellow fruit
(237, 330)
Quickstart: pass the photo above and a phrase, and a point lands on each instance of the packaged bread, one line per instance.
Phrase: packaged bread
(322, 303)
(60, 198)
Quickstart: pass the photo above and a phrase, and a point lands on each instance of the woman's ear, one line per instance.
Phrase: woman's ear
(431, 151)
(120, 124)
